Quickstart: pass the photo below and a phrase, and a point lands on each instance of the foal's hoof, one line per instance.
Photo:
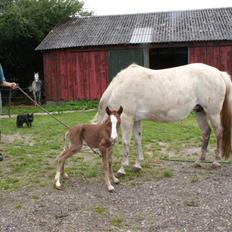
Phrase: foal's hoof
(136, 169)
(120, 174)
(111, 189)
(216, 165)
(1, 157)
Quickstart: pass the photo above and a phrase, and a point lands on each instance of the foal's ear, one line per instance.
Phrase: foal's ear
(108, 111)
(120, 110)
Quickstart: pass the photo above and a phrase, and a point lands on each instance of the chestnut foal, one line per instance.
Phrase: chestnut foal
(101, 136)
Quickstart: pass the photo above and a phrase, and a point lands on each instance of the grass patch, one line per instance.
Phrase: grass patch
(58, 107)
(19, 206)
(100, 210)
(117, 221)
(194, 179)
(30, 153)
(191, 202)
(168, 173)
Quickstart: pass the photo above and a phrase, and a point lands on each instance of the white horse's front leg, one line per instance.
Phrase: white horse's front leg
(138, 142)
(126, 126)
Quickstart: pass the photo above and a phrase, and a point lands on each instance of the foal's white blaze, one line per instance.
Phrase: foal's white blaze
(114, 120)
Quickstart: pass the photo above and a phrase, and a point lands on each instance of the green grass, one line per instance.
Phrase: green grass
(59, 107)
(100, 210)
(117, 221)
(30, 153)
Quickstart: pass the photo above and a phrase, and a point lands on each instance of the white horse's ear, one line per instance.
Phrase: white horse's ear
(120, 110)
(108, 111)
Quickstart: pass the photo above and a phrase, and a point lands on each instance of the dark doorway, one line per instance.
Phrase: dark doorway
(168, 57)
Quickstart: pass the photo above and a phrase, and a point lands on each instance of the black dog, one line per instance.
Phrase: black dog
(24, 118)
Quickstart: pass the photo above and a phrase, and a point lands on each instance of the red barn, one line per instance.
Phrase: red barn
(82, 55)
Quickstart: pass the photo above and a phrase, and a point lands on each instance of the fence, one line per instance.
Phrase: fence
(15, 97)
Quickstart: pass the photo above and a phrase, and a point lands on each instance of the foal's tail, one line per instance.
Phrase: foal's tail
(226, 117)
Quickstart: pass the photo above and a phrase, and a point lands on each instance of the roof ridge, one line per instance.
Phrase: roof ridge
(156, 12)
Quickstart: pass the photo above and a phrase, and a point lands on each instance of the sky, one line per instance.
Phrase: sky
(112, 7)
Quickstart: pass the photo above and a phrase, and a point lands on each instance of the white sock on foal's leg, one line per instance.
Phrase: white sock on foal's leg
(57, 180)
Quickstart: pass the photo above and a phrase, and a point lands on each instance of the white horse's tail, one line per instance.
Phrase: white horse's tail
(226, 116)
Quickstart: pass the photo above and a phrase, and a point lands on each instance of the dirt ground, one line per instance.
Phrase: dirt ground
(191, 200)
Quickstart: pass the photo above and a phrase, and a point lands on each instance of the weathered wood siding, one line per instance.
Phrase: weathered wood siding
(72, 75)
(217, 56)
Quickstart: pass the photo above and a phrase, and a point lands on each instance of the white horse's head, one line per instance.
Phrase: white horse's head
(36, 76)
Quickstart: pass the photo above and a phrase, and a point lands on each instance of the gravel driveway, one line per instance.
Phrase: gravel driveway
(191, 200)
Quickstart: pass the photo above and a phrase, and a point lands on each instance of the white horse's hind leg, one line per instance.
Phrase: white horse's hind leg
(126, 126)
(216, 123)
(138, 142)
(205, 131)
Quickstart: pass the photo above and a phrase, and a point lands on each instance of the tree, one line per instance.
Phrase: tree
(23, 25)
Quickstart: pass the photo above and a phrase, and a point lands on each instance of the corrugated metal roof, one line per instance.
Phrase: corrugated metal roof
(160, 27)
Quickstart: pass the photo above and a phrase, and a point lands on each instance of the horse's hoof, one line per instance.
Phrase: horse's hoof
(1, 157)
(116, 180)
(66, 176)
(136, 169)
(197, 164)
(120, 174)
(111, 189)
(216, 165)
(58, 187)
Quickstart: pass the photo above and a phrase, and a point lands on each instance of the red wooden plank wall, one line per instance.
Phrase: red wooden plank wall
(219, 57)
(72, 75)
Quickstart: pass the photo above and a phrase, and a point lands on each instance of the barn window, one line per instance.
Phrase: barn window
(168, 57)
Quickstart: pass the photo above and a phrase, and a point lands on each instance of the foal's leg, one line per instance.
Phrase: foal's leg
(216, 123)
(138, 142)
(111, 173)
(205, 131)
(61, 160)
(105, 163)
(126, 126)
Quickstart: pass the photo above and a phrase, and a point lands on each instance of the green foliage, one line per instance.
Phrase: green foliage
(23, 24)
(34, 19)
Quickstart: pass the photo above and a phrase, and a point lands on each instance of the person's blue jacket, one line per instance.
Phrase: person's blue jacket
(2, 77)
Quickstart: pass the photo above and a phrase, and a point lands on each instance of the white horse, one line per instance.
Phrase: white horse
(36, 88)
(170, 95)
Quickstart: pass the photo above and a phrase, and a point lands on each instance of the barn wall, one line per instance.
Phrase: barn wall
(71, 75)
(217, 56)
